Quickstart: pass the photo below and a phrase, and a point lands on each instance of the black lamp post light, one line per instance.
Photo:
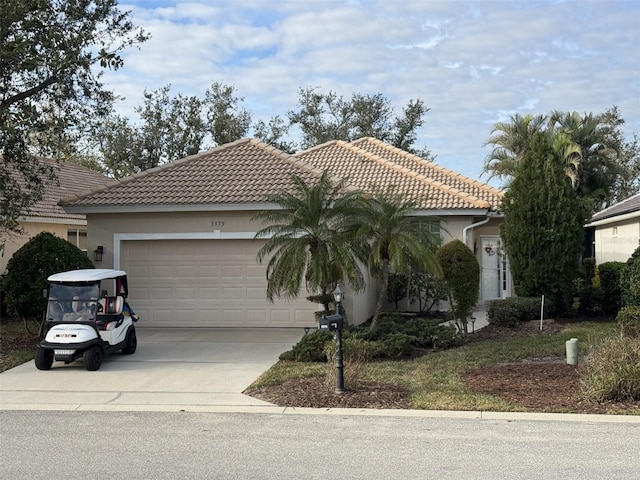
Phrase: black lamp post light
(334, 323)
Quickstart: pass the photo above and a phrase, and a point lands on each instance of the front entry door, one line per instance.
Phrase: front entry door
(493, 270)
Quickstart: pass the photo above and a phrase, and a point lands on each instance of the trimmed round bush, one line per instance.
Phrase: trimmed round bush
(509, 312)
(630, 280)
(610, 274)
(461, 271)
(29, 268)
(311, 348)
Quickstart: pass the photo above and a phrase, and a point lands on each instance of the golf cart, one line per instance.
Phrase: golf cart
(87, 316)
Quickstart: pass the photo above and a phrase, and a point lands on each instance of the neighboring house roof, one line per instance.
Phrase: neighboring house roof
(246, 171)
(71, 178)
(630, 205)
(368, 163)
(240, 172)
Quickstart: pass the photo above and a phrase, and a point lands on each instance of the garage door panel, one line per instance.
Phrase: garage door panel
(186, 294)
(229, 293)
(161, 271)
(208, 271)
(161, 293)
(232, 271)
(205, 283)
(256, 293)
(208, 292)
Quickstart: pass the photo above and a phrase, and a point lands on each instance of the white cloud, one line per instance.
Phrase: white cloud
(473, 63)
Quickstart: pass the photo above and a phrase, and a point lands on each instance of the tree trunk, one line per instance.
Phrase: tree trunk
(382, 292)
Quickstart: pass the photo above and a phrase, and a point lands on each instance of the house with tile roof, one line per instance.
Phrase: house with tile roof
(47, 216)
(184, 231)
(614, 233)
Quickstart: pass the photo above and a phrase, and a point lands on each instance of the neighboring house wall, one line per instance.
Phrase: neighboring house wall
(47, 216)
(617, 240)
(615, 231)
(14, 241)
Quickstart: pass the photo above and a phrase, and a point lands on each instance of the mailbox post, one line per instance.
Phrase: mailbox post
(334, 323)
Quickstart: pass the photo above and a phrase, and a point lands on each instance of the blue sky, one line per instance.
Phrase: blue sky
(473, 63)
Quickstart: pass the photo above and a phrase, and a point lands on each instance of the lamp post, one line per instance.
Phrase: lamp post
(338, 295)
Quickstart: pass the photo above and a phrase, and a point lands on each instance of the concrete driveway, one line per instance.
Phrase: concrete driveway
(172, 369)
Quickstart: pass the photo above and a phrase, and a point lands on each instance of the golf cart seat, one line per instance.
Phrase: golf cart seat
(109, 312)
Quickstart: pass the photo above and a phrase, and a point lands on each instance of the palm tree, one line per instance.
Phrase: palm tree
(397, 239)
(510, 141)
(308, 241)
(594, 135)
(587, 144)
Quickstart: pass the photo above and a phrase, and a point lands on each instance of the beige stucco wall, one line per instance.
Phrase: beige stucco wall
(13, 242)
(102, 227)
(454, 227)
(616, 241)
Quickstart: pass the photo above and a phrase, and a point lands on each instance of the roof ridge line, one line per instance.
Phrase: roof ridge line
(416, 159)
(604, 210)
(299, 162)
(420, 177)
(149, 171)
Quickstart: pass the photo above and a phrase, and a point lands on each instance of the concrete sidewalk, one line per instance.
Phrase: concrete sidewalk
(174, 368)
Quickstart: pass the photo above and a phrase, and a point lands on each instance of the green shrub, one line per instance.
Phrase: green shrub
(613, 370)
(588, 269)
(386, 324)
(29, 268)
(397, 288)
(396, 345)
(447, 336)
(630, 280)
(590, 298)
(628, 319)
(610, 274)
(509, 312)
(586, 288)
(422, 329)
(426, 289)
(311, 348)
(431, 334)
(461, 271)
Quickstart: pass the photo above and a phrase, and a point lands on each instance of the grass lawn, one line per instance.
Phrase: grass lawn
(435, 381)
(16, 345)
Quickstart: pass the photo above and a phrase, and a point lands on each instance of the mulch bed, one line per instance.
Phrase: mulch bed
(536, 384)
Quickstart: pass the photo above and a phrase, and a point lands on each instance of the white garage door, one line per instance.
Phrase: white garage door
(208, 283)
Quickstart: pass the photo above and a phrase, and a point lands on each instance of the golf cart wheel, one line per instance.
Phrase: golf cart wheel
(131, 343)
(92, 358)
(44, 358)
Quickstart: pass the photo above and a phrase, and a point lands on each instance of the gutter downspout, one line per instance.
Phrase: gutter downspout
(472, 226)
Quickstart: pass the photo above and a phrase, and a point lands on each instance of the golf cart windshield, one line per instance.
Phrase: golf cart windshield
(73, 303)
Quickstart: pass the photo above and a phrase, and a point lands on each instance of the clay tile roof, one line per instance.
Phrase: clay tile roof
(244, 171)
(368, 163)
(71, 178)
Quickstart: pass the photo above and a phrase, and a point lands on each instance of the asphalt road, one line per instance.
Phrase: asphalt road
(138, 445)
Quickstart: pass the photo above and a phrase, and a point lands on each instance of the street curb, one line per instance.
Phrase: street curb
(275, 410)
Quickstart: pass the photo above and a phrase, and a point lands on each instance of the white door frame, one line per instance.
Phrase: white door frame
(504, 274)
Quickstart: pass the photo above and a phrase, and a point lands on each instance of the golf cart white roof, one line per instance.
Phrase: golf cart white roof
(86, 275)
